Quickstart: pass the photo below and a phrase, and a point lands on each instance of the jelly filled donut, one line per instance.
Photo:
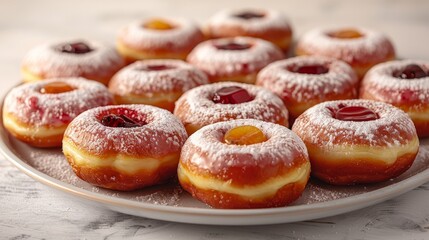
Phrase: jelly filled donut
(224, 101)
(404, 84)
(155, 82)
(244, 164)
(38, 113)
(158, 38)
(87, 59)
(357, 141)
(360, 48)
(124, 147)
(236, 59)
(269, 25)
(302, 82)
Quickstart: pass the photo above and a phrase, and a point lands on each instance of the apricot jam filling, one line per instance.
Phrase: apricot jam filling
(56, 87)
(232, 95)
(158, 24)
(354, 113)
(346, 34)
(244, 135)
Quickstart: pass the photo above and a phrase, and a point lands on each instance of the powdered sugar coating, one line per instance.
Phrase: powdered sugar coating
(380, 83)
(48, 61)
(162, 134)
(135, 80)
(31, 107)
(373, 47)
(197, 107)
(223, 64)
(183, 37)
(299, 87)
(318, 126)
(216, 157)
(273, 25)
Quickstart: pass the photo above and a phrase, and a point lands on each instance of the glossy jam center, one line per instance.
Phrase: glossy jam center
(311, 69)
(355, 113)
(232, 95)
(346, 34)
(244, 135)
(411, 71)
(56, 87)
(76, 48)
(234, 46)
(158, 24)
(156, 67)
(113, 120)
(249, 15)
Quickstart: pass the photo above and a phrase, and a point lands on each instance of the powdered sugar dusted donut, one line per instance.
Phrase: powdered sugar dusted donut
(78, 58)
(269, 169)
(270, 25)
(218, 102)
(404, 84)
(155, 82)
(361, 48)
(302, 82)
(158, 38)
(357, 141)
(38, 113)
(124, 147)
(236, 59)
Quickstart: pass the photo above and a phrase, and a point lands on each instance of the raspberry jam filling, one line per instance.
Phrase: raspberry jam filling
(156, 67)
(158, 24)
(232, 95)
(244, 135)
(120, 120)
(354, 113)
(346, 34)
(233, 46)
(75, 48)
(411, 71)
(310, 69)
(249, 15)
(56, 87)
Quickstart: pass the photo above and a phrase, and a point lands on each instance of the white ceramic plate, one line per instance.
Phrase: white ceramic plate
(169, 202)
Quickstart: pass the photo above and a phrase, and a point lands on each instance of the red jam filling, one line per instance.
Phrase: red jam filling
(411, 71)
(355, 113)
(311, 69)
(233, 46)
(249, 15)
(76, 48)
(56, 87)
(113, 120)
(346, 34)
(156, 67)
(232, 95)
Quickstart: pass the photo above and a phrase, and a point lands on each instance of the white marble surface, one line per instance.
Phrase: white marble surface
(30, 210)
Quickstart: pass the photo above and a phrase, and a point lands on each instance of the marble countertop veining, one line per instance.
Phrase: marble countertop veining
(31, 210)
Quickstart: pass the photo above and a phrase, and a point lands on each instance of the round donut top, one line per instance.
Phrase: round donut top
(392, 128)
(202, 110)
(252, 57)
(184, 34)
(282, 147)
(382, 78)
(153, 76)
(161, 134)
(50, 61)
(30, 106)
(282, 75)
(250, 21)
(372, 46)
